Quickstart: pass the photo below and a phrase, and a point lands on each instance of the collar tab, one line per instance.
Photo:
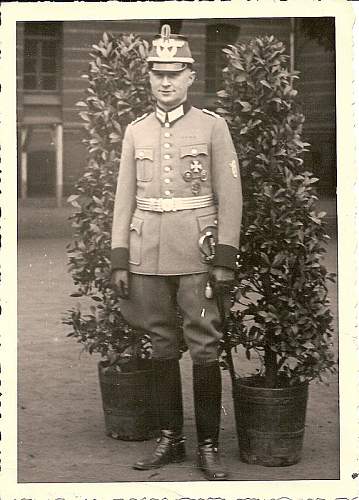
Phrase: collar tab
(174, 114)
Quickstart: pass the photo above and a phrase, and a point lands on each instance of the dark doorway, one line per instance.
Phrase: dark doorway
(41, 173)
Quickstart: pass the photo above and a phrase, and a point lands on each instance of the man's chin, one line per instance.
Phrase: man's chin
(166, 100)
(168, 103)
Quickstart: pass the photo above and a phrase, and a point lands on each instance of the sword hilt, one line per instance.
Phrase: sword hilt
(207, 246)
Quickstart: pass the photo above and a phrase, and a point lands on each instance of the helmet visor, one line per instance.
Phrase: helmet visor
(168, 66)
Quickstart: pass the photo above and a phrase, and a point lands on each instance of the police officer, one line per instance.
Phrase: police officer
(178, 185)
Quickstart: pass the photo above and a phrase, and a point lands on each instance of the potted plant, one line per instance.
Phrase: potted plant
(282, 312)
(117, 92)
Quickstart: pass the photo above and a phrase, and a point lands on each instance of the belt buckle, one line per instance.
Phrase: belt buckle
(167, 205)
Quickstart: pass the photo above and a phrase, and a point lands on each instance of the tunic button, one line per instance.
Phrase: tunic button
(167, 181)
(167, 193)
(167, 157)
(141, 154)
(167, 145)
(167, 125)
(167, 169)
(167, 134)
(194, 151)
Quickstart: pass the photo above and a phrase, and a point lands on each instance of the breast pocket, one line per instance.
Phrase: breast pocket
(136, 241)
(194, 157)
(144, 164)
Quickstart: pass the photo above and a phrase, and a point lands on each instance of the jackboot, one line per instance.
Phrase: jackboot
(168, 391)
(209, 461)
(170, 448)
(207, 391)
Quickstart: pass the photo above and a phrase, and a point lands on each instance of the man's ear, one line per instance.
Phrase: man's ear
(193, 76)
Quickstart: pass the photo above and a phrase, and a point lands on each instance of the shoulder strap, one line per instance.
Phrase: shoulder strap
(212, 113)
(139, 118)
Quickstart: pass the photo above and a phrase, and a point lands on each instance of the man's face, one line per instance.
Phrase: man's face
(170, 87)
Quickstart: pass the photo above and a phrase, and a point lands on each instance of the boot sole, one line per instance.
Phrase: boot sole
(176, 460)
(212, 478)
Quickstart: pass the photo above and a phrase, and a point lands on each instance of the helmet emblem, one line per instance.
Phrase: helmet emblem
(166, 47)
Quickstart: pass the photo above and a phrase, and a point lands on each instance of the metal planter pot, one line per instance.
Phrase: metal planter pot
(128, 403)
(270, 422)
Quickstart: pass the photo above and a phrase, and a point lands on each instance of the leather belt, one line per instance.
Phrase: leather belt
(174, 204)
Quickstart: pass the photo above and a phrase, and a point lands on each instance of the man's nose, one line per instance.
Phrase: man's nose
(165, 81)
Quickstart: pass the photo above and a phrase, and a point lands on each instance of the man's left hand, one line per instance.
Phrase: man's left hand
(222, 275)
(222, 281)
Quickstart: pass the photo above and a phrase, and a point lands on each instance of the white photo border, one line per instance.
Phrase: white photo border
(347, 486)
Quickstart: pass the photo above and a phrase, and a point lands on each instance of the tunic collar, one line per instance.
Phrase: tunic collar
(173, 115)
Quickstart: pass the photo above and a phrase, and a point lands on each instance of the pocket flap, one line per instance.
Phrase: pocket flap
(136, 225)
(194, 150)
(144, 154)
(206, 221)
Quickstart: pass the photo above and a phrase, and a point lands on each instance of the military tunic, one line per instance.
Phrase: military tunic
(191, 157)
(185, 154)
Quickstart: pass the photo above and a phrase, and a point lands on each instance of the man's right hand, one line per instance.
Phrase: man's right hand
(120, 279)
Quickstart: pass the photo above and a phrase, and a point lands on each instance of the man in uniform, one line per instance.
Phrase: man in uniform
(178, 186)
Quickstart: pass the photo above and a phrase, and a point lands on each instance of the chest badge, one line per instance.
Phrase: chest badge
(196, 166)
(195, 174)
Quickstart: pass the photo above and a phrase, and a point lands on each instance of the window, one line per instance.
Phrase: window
(41, 56)
(217, 37)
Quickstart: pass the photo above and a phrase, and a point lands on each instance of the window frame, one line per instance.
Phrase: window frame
(39, 73)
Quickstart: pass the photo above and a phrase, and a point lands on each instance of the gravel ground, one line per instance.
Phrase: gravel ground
(60, 420)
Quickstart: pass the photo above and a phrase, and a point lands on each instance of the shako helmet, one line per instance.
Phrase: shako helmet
(169, 52)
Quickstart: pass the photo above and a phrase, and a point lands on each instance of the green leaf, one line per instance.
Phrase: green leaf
(72, 198)
(237, 64)
(246, 106)
(265, 84)
(222, 93)
(292, 363)
(265, 258)
(241, 77)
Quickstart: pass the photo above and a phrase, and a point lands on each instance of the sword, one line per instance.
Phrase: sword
(223, 294)
(207, 246)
